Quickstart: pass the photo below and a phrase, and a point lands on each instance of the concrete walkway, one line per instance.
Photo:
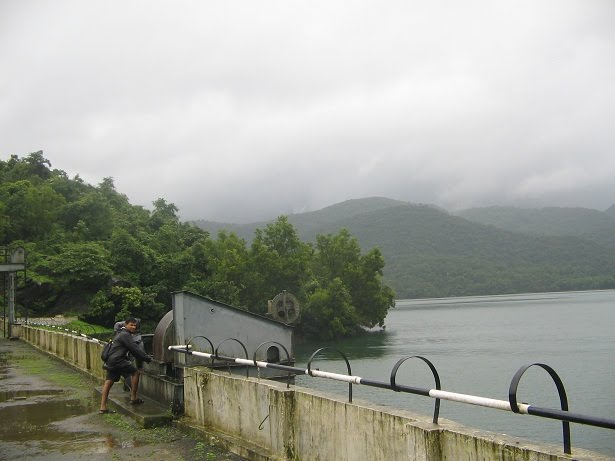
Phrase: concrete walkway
(49, 411)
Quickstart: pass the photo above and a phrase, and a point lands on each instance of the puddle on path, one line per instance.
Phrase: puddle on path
(39, 425)
(20, 395)
(43, 421)
(29, 419)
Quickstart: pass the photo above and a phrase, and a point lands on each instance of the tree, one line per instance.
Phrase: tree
(38, 165)
(91, 213)
(339, 256)
(83, 264)
(163, 213)
(30, 211)
(130, 258)
(278, 261)
(329, 313)
(34, 168)
(224, 272)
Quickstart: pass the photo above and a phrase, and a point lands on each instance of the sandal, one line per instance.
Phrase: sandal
(137, 401)
(107, 411)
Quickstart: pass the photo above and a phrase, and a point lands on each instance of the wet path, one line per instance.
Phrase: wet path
(49, 412)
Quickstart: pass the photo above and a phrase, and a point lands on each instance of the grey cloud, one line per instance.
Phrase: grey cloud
(247, 110)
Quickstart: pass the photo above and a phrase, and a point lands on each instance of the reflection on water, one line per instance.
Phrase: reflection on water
(372, 345)
(477, 344)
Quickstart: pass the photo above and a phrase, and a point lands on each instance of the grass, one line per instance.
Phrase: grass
(57, 373)
(87, 328)
(163, 434)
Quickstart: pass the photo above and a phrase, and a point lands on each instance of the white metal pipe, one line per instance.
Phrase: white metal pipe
(434, 393)
(475, 400)
(335, 376)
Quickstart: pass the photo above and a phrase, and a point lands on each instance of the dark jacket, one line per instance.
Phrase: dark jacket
(123, 343)
(136, 336)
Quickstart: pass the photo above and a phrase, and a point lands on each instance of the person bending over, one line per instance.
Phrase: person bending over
(138, 339)
(119, 364)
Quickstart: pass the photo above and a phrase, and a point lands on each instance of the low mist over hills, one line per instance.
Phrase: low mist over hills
(430, 252)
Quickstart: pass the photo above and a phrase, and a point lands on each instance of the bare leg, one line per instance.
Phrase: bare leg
(105, 393)
(134, 384)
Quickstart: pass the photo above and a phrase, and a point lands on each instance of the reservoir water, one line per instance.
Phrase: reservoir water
(477, 344)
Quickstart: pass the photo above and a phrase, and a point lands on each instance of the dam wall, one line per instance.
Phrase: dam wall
(302, 424)
(266, 420)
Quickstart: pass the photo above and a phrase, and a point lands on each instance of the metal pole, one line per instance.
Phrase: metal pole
(11, 299)
(4, 305)
(25, 291)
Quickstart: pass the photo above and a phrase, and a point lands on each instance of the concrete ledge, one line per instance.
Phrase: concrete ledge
(148, 414)
(305, 424)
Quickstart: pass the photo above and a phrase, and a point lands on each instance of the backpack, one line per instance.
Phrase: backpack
(106, 351)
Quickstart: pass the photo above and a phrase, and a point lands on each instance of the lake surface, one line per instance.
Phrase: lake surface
(477, 344)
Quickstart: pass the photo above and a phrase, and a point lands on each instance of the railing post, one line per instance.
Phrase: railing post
(347, 367)
(287, 357)
(436, 411)
(512, 398)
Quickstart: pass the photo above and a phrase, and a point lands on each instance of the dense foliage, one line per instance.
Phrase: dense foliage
(90, 252)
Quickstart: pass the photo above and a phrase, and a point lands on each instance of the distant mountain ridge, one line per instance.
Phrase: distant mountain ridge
(430, 252)
(584, 223)
(309, 223)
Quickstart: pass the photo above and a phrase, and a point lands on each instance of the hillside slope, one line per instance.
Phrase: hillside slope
(597, 226)
(431, 253)
(309, 223)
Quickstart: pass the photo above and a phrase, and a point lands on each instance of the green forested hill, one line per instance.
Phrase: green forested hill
(311, 223)
(584, 223)
(431, 253)
(91, 253)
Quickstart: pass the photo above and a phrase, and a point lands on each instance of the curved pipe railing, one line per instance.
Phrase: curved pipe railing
(189, 345)
(244, 350)
(309, 369)
(438, 394)
(285, 350)
(436, 410)
(514, 406)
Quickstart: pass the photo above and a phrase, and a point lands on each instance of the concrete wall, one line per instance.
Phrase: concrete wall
(302, 424)
(80, 352)
(299, 424)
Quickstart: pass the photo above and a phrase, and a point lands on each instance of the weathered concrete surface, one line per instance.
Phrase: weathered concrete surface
(150, 414)
(303, 424)
(48, 411)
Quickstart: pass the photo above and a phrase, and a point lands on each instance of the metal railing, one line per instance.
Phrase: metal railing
(512, 405)
(62, 328)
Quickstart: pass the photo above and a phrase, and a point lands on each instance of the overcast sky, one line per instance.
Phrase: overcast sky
(244, 110)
